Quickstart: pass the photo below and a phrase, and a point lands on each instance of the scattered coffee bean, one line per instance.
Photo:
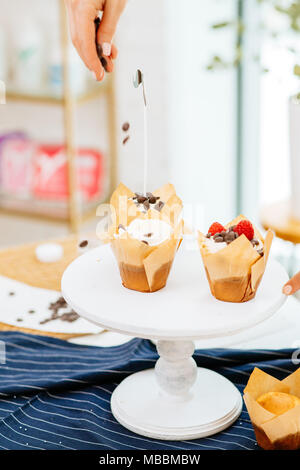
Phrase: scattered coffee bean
(31, 311)
(19, 319)
(148, 235)
(159, 206)
(125, 126)
(83, 244)
(126, 140)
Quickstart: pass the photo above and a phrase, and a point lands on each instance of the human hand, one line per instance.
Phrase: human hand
(292, 285)
(81, 14)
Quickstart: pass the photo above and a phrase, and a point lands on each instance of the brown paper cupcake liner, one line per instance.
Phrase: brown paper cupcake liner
(235, 272)
(273, 432)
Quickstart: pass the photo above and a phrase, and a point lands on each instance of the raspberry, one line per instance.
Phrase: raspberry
(245, 227)
(215, 228)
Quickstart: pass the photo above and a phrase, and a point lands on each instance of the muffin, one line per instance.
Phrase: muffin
(235, 258)
(145, 235)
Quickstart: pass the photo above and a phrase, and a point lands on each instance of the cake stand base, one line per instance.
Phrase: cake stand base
(212, 404)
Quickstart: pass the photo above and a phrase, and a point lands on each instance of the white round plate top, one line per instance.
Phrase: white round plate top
(184, 309)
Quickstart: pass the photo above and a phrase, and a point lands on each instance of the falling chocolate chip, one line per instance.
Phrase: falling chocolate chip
(261, 252)
(148, 235)
(19, 319)
(219, 239)
(126, 140)
(11, 293)
(31, 311)
(125, 126)
(83, 244)
(145, 241)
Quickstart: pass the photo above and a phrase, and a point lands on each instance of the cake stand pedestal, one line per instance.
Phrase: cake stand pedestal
(176, 400)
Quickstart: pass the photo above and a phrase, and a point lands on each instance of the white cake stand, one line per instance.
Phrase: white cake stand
(175, 400)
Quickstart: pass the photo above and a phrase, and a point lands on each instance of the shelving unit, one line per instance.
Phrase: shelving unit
(74, 215)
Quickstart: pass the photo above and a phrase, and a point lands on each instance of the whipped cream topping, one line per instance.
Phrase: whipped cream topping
(150, 231)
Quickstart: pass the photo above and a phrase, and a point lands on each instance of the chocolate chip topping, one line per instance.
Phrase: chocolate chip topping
(126, 139)
(83, 244)
(145, 241)
(148, 200)
(125, 126)
(229, 236)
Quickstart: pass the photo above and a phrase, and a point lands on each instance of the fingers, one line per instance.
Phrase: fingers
(292, 285)
(84, 15)
(110, 18)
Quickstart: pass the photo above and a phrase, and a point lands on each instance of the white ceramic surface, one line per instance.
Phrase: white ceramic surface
(184, 309)
(294, 114)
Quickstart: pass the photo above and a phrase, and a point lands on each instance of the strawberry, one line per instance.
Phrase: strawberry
(215, 228)
(245, 227)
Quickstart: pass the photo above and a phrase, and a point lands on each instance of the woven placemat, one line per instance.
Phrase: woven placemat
(20, 263)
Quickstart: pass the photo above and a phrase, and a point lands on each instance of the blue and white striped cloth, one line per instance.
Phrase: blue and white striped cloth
(56, 395)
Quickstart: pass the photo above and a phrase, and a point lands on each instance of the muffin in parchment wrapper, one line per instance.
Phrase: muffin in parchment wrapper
(235, 272)
(273, 431)
(143, 267)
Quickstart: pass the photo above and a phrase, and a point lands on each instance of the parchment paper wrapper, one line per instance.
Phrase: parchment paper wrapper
(273, 432)
(235, 272)
(142, 267)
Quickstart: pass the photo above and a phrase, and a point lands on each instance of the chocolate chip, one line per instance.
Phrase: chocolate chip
(159, 206)
(11, 293)
(261, 252)
(144, 241)
(141, 199)
(31, 311)
(19, 319)
(148, 235)
(125, 126)
(121, 227)
(208, 235)
(83, 244)
(152, 200)
(126, 140)
(146, 205)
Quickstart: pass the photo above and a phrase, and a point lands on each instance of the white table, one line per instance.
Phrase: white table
(175, 400)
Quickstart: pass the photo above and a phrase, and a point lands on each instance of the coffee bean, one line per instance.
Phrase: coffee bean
(19, 319)
(83, 244)
(31, 311)
(255, 242)
(159, 206)
(125, 126)
(126, 140)
(219, 239)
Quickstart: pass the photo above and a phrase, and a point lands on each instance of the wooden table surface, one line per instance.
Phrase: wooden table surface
(278, 217)
(20, 263)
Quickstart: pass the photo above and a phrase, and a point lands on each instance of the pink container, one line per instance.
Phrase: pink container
(50, 173)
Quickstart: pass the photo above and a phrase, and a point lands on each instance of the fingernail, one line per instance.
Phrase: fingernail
(106, 49)
(287, 290)
(94, 75)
